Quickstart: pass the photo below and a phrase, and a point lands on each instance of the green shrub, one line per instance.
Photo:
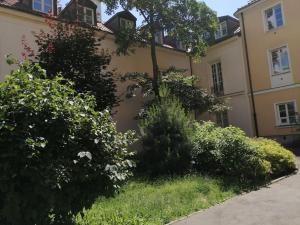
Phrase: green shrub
(165, 136)
(56, 152)
(282, 160)
(226, 151)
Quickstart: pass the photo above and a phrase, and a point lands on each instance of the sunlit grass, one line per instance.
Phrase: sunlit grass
(156, 203)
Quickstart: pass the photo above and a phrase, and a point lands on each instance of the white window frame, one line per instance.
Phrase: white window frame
(85, 16)
(219, 81)
(266, 28)
(277, 112)
(126, 23)
(221, 31)
(270, 60)
(43, 6)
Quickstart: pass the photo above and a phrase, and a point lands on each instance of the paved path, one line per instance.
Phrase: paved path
(278, 204)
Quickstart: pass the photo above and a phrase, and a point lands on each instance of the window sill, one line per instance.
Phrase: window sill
(274, 30)
(287, 126)
(280, 74)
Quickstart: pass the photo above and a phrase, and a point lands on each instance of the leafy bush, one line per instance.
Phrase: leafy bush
(56, 152)
(75, 52)
(226, 151)
(282, 160)
(165, 135)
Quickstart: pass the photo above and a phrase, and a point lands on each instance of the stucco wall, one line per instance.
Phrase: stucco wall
(260, 42)
(230, 54)
(14, 24)
(267, 114)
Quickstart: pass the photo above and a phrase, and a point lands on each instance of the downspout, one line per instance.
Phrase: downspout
(191, 73)
(250, 78)
(191, 65)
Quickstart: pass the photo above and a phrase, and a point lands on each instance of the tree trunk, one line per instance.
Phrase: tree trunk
(156, 72)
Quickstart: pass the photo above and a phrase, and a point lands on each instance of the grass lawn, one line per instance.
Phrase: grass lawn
(157, 203)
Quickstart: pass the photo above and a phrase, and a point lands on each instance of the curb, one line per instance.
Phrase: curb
(243, 193)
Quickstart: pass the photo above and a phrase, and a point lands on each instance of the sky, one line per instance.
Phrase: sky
(222, 7)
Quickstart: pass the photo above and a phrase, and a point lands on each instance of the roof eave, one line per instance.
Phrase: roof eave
(246, 7)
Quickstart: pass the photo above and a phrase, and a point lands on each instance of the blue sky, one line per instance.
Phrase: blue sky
(223, 7)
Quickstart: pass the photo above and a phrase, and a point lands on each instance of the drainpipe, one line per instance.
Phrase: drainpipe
(191, 73)
(191, 65)
(250, 77)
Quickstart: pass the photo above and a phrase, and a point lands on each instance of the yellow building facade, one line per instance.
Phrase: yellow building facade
(272, 53)
(252, 64)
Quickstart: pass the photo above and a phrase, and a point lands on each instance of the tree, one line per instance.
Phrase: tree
(74, 51)
(183, 87)
(57, 153)
(166, 133)
(187, 21)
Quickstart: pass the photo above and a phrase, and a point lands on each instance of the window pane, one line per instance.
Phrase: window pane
(224, 29)
(37, 5)
(291, 109)
(89, 12)
(225, 119)
(270, 19)
(284, 59)
(220, 79)
(278, 15)
(48, 2)
(47, 8)
(89, 19)
(215, 80)
(276, 62)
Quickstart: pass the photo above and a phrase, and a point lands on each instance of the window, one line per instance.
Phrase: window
(127, 24)
(159, 38)
(274, 17)
(280, 61)
(180, 45)
(218, 88)
(86, 15)
(221, 30)
(286, 113)
(222, 119)
(44, 6)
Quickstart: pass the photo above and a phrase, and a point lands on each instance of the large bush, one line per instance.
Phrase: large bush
(227, 151)
(56, 152)
(282, 160)
(75, 52)
(165, 136)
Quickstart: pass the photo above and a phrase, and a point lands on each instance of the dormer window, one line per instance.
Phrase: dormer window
(86, 15)
(44, 6)
(221, 30)
(159, 38)
(126, 24)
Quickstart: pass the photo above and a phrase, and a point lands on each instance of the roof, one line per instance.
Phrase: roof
(252, 2)
(16, 5)
(222, 18)
(102, 27)
(125, 13)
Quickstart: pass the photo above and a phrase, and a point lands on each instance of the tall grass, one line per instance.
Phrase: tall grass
(157, 203)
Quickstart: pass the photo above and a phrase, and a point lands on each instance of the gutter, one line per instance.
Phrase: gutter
(250, 77)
